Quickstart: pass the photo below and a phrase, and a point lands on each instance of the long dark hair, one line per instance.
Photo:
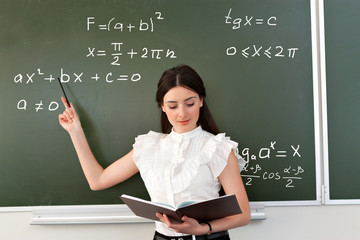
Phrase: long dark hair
(184, 76)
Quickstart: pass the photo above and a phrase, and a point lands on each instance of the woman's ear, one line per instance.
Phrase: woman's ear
(201, 102)
(162, 107)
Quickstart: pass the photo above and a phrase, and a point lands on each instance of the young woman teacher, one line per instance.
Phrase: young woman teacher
(189, 160)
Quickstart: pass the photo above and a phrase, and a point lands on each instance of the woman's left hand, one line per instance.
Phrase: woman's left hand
(188, 226)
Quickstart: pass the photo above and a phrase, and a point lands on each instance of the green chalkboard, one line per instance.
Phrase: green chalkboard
(255, 58)
(342, 39)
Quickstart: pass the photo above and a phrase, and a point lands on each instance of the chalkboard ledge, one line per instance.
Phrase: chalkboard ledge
(84, 215)
(102, 214)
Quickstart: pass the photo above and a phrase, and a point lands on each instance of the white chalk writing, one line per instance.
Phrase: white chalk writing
(289, 174)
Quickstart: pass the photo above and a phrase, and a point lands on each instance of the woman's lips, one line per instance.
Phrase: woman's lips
(184, 122)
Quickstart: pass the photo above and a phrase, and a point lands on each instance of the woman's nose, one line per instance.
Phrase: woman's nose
(181, 111)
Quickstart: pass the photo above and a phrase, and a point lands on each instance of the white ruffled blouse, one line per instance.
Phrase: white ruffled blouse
(180, 167)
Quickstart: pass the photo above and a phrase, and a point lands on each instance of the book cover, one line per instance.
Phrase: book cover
(202, 211)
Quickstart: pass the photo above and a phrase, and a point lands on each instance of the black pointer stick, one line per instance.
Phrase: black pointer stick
(64, 92)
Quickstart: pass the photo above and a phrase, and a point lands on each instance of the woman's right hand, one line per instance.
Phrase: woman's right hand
(69, 119)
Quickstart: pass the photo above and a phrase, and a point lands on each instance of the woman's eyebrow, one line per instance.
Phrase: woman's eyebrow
(184, 100)
(171, 102)
(189, 98)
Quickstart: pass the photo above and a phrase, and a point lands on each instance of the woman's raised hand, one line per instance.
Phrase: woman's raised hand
(69, 119)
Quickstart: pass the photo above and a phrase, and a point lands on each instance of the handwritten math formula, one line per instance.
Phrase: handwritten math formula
(39, 77)
(248, 21)
(119, 51)
(254, 171)
(114, 24)
(114, 53)
(237, 23)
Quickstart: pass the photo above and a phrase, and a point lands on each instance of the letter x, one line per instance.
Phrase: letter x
(296, 150)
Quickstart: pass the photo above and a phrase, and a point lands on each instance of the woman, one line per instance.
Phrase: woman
(190, 160)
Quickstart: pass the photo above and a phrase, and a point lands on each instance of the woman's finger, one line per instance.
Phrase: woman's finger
(159, 216)
(72, 108)
(163, 218)
(69, 116)
(70, 112)
(65, 103)
(167, 221)
(63, 118)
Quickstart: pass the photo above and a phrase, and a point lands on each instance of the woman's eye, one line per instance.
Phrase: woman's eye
(190, 104)
(172, 107)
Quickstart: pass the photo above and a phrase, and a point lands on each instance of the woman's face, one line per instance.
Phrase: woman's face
(182, 108)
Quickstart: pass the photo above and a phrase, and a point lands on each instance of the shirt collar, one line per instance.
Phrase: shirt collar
(186, 135)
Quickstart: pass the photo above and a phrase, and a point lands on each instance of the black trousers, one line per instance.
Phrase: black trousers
(224, 235)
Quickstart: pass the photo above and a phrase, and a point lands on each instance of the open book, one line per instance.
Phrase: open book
(202, 211)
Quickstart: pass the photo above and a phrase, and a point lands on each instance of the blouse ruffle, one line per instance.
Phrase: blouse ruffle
(214, 152)
(145, 148)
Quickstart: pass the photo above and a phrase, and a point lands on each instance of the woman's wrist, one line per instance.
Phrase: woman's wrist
(76, 131)
(206, 228)
(210, 228)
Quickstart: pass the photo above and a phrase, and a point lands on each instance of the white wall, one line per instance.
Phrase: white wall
(282, 223)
